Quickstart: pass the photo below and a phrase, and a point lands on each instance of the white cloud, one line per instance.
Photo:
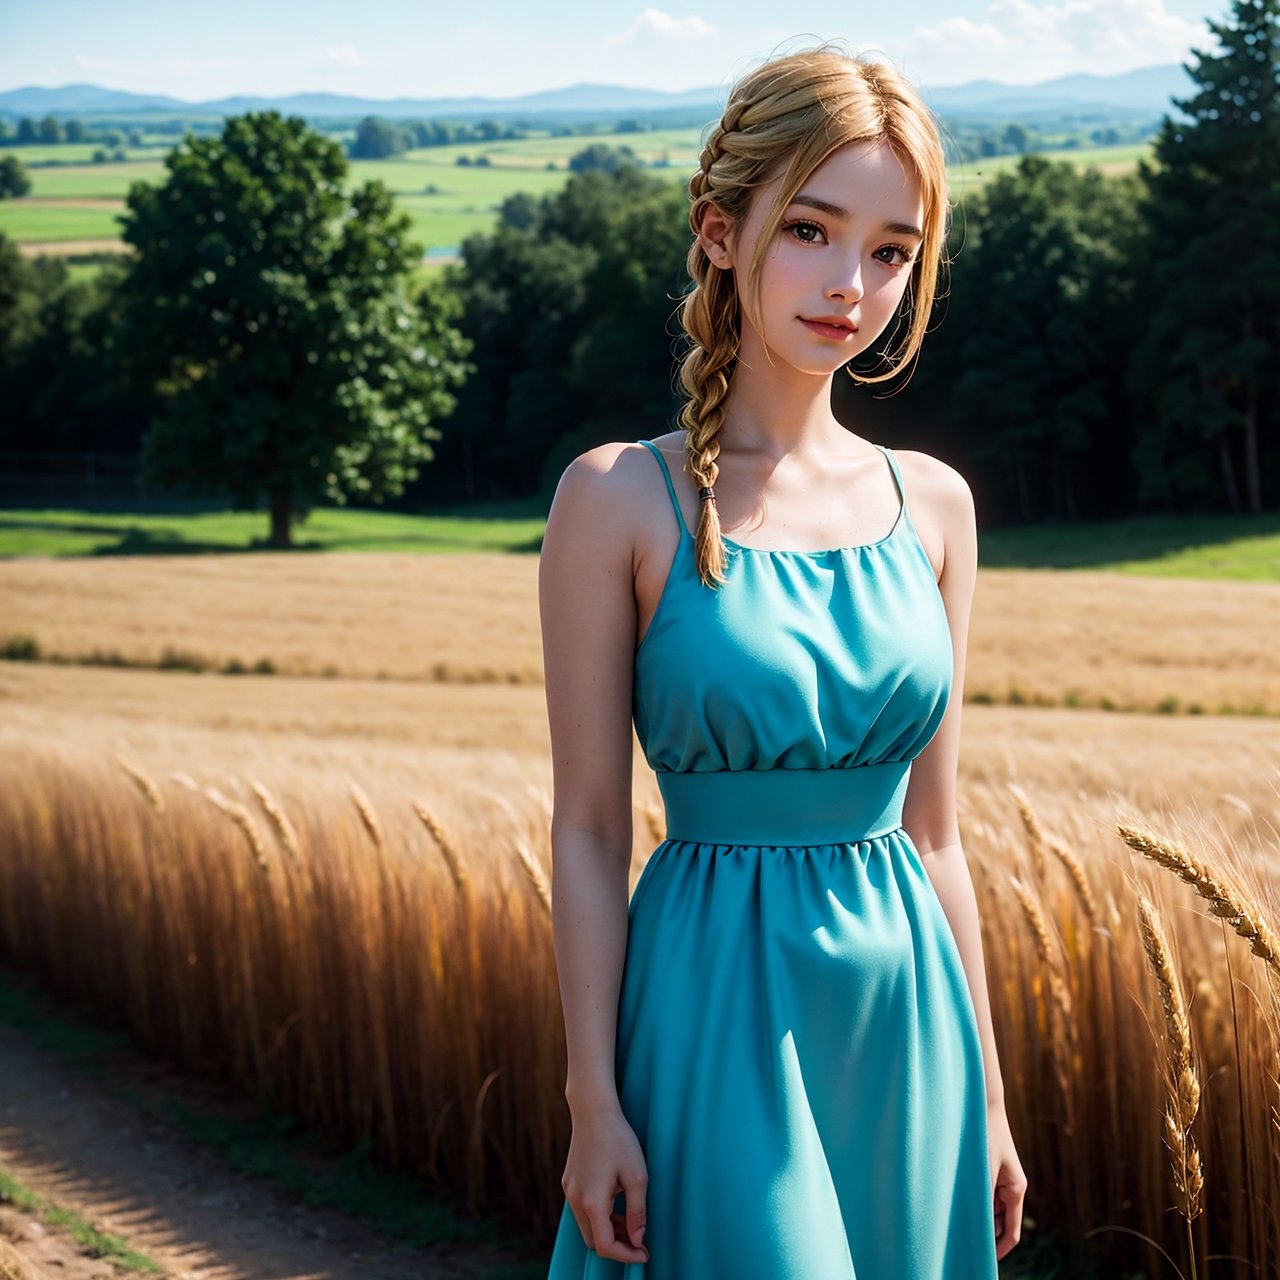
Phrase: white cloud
(345, 55)
(1018, 41)
(655, 24)
(90, 63)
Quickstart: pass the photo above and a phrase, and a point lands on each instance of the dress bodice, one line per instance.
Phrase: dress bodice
(800, 660)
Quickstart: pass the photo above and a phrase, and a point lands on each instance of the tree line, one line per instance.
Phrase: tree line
(1102, 346)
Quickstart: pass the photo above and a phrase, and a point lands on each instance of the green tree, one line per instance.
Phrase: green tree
(20, 301)
(274, 312)
(28, 134)
(376, 139)
(1016, 138)
(13, 178)
(50, 131)
(1206, 365)
(569, 304)
(1035, 330)
(599, 156)
(65, 379)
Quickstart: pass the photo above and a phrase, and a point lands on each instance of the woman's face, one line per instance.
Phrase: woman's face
(844, 248)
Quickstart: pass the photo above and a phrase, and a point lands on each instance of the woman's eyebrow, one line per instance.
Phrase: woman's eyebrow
(813, 202)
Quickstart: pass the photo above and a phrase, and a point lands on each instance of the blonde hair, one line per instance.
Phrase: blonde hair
(790, 114)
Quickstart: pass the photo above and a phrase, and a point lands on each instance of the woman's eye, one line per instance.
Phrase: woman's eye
(803, 229)
(898, 248)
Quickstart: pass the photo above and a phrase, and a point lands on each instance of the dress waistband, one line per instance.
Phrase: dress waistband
(784, 806)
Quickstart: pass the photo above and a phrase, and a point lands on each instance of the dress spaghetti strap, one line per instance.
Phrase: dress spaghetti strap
(666, 475)
(904, 515)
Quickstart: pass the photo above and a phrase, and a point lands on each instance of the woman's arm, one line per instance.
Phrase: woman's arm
(587, 604)
(943, 504)
(946, 521)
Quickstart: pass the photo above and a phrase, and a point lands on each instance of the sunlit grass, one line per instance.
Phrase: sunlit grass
(83, 533)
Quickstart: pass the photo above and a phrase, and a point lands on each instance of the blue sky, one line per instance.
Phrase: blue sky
(503, 48)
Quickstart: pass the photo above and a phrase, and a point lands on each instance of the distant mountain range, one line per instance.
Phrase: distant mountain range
(1146, 90)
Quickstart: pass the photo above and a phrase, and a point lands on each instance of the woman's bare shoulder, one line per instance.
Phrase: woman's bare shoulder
(935, 487)
(619, 478)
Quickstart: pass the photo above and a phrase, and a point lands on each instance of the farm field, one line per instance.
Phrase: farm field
(353, 867)
(1078, 639)
(71, 203)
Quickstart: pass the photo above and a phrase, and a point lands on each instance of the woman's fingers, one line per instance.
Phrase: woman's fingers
(634, 1185)
(584, 1225)
(609, 1232)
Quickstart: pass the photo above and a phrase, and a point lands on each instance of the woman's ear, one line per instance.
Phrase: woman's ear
(716, 237)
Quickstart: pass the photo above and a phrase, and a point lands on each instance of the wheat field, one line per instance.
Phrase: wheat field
(1038, 636)
(333, 890)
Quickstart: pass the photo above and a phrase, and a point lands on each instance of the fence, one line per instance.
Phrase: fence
(98, 479)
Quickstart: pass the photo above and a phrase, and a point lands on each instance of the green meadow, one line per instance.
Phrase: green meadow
(1212, 547)
(446, 201)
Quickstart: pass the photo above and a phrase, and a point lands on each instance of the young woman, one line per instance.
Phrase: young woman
(781, 1063)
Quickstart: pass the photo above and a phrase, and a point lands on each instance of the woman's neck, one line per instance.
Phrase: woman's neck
(778, 409)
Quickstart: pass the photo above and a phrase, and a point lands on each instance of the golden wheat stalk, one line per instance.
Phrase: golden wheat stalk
(1063, 1028)
(244, 820)
(1035, 832)
(13, 1266)
(1075, 868)
(1035, 918)
(279, 819)
(537, 877)
(448, 850)
(184, 779)
(1227, 901)
(368, 814)
(1184, 1086)
(144, 781)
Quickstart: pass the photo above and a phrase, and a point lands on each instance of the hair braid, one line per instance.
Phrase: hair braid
(709, 315)
(780, 122)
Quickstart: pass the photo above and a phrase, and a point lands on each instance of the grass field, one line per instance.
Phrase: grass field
(466, 198)
(85, 533)
(1214, 548)
(1243, 549)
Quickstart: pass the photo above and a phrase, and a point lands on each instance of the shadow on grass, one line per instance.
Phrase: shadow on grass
(134, 540)
(1104, 542)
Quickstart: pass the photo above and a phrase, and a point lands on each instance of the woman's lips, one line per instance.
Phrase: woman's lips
(836, 331)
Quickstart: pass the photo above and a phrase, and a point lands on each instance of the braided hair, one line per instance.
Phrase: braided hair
(787, 116)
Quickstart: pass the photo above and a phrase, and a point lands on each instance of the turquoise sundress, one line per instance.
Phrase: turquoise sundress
(797, 1049)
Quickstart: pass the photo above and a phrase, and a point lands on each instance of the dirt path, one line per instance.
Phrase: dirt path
(71, 1135)
(67, 248)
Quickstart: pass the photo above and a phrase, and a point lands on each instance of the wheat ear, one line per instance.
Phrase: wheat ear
(1227, 901)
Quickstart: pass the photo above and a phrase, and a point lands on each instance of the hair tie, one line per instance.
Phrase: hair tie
(707, 493)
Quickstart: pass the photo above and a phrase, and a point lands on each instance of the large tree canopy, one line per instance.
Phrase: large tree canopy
(1034, 328)
(570, 304)
(272, 309)
(1206, 361)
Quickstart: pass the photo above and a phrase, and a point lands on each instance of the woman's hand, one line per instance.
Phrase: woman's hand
(605, 1158)
(1010, 1183)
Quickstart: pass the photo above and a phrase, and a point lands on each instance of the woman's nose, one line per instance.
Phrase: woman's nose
(847, 284)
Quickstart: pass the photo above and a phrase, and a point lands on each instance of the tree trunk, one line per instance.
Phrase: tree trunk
(1252, 469)
(1228, 473)
(1224, 451)
(1024, 494)
(281, 520)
